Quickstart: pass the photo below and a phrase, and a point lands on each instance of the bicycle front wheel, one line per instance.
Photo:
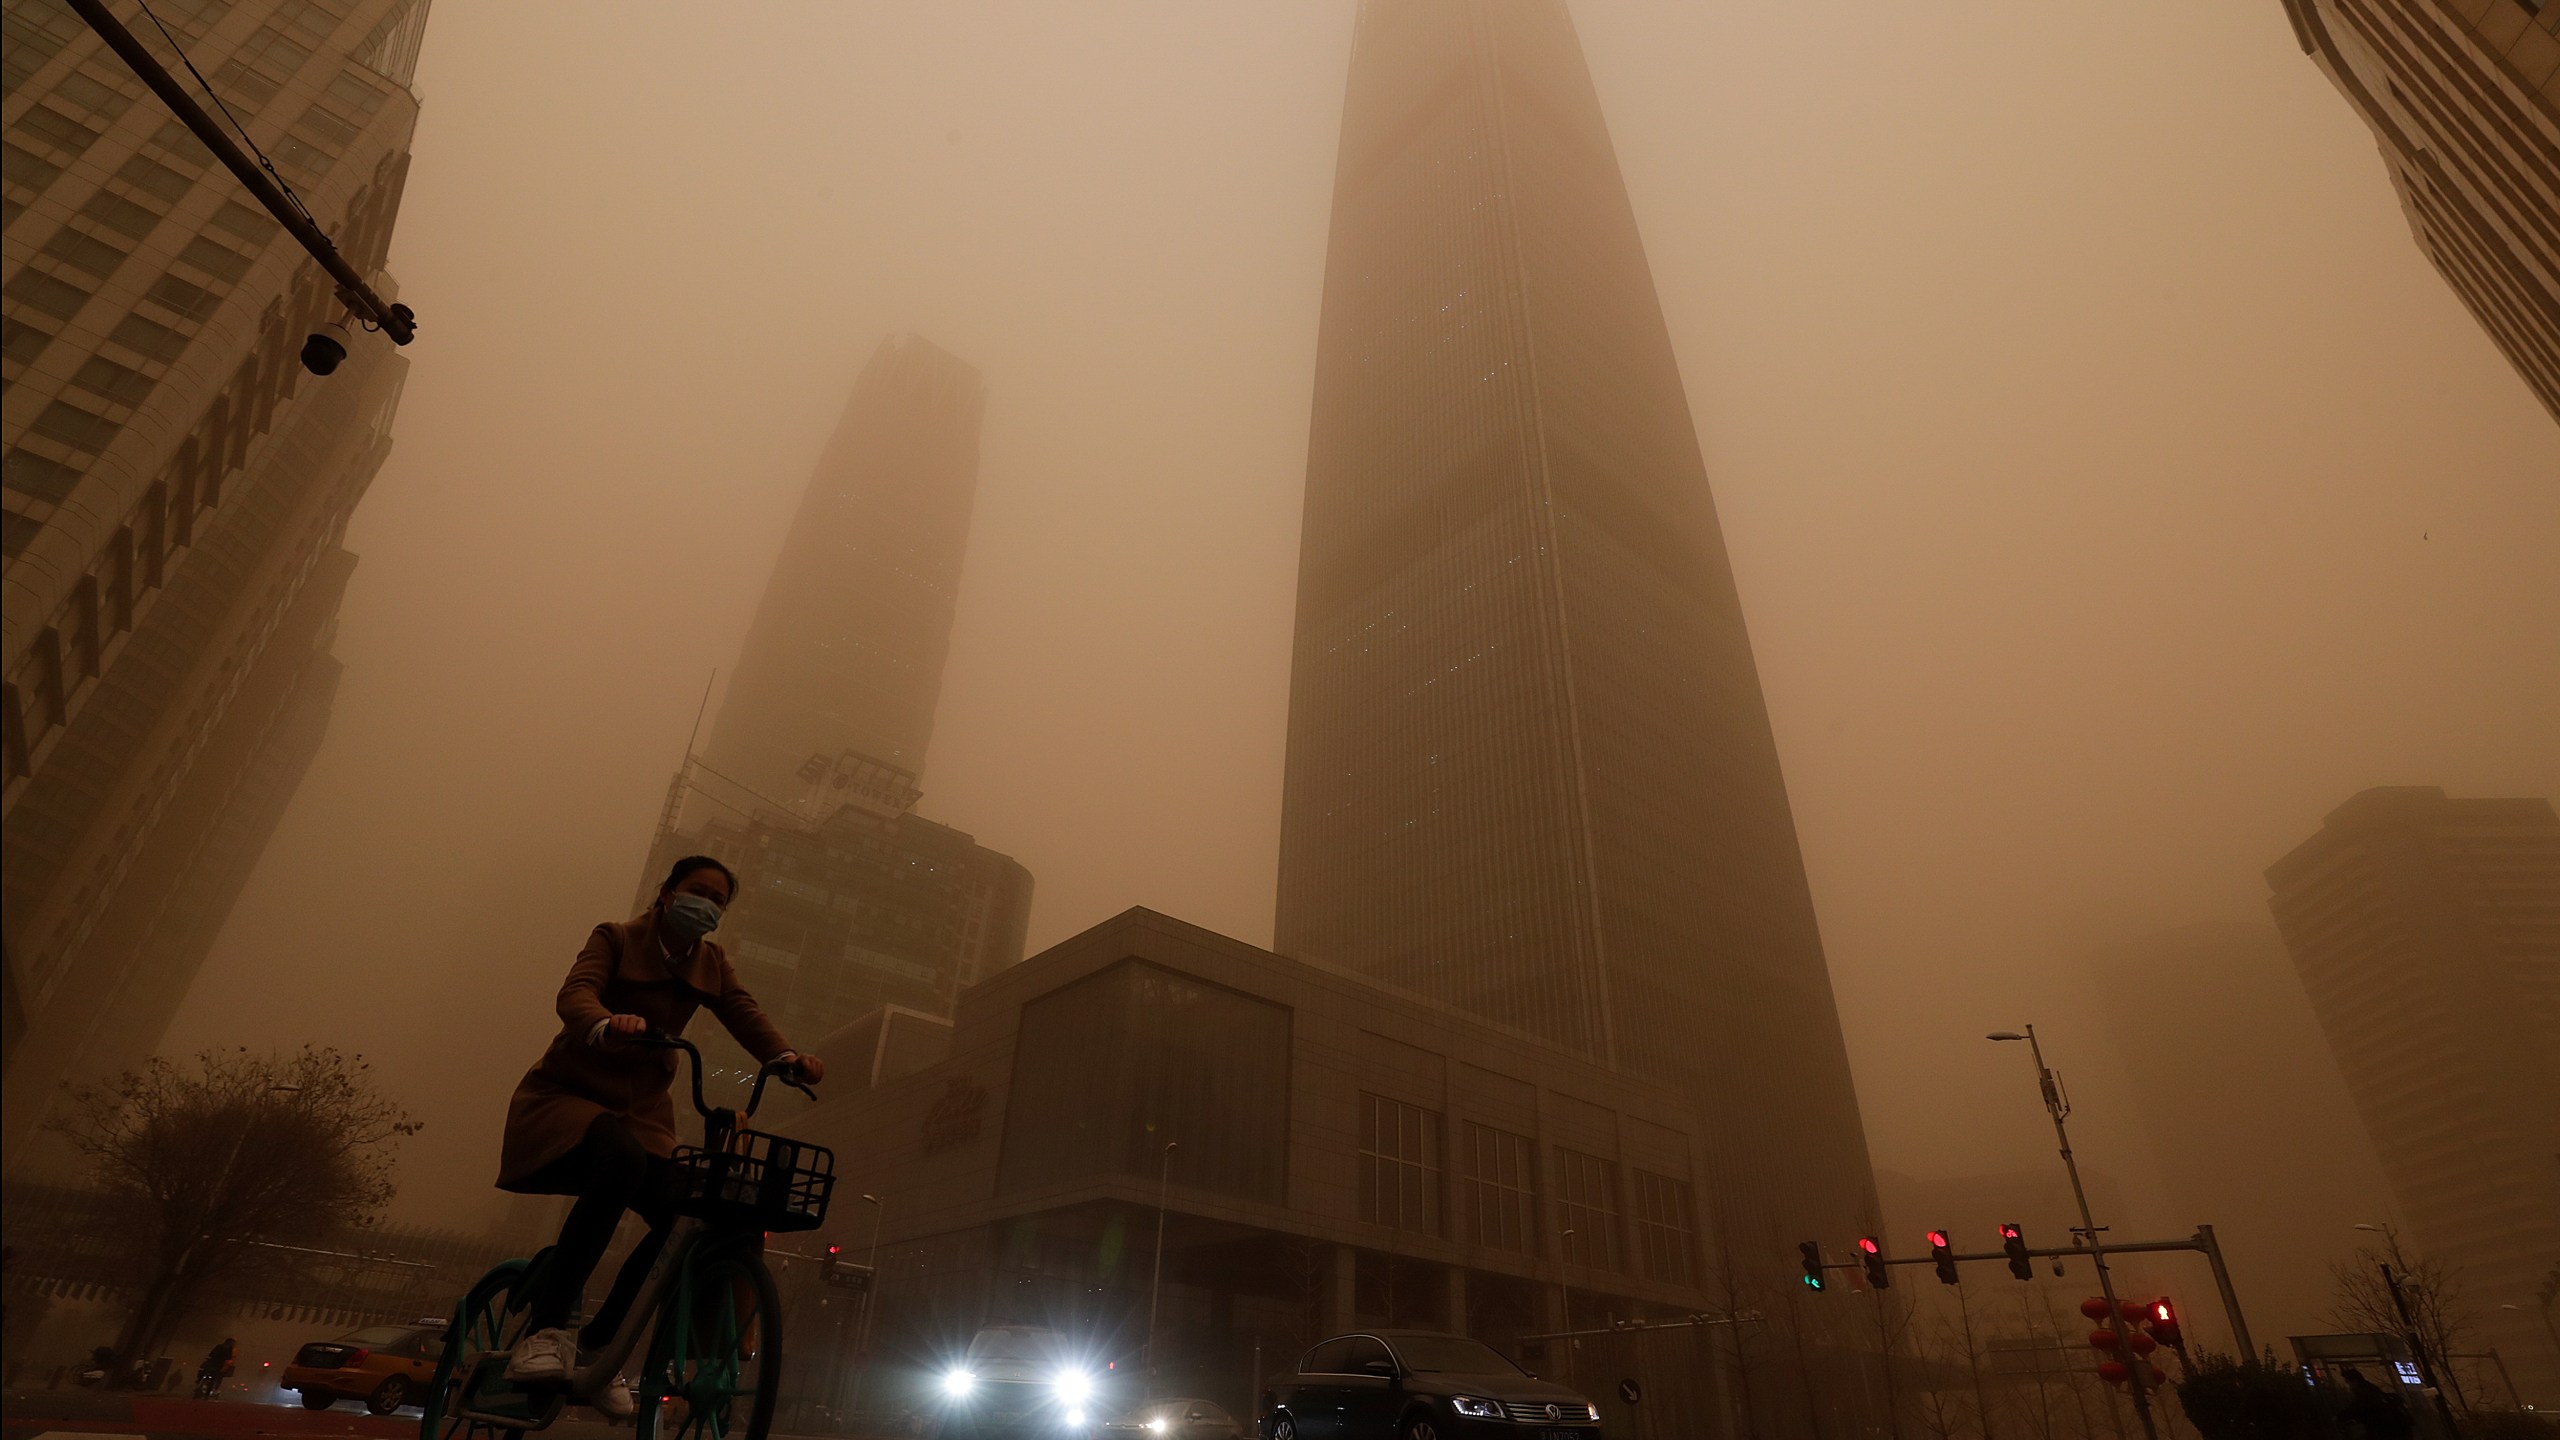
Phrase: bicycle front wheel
(487, 1321)
(715, 1363)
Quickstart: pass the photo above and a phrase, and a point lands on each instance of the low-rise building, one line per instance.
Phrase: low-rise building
(1317, 1153)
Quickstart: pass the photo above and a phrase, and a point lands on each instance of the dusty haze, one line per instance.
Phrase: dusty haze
(2112, 486)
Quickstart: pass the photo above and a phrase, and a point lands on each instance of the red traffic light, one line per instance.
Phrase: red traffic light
(1937, 1239)
(834, 1250)
(2164, 1323)
(1868, 1244)
(1871, 1258)
(2009, 1232)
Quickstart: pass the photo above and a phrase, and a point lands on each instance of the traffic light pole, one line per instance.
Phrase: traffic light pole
(2201, 1243)
(2134, 1365)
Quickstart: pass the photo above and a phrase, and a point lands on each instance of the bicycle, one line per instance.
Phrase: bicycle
(717, 1317)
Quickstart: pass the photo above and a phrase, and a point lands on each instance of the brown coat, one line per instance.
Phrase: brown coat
(623, 971)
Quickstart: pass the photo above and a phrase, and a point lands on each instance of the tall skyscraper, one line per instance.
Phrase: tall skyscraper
(177, 489)
(847, 647)
(2463, 97)
(1529, 772)
(848, 900)
(2427, 934)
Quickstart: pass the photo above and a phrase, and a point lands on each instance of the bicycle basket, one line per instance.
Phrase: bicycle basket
(759, 1181)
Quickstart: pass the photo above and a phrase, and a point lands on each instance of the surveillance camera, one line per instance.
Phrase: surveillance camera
(322, 352)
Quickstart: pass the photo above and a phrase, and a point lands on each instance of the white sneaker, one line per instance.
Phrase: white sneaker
(543, 1355)
(614, 1401)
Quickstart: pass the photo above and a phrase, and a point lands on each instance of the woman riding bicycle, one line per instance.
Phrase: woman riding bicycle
(593, 1117)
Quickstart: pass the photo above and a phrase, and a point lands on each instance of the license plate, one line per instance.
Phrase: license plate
(1561, 1435)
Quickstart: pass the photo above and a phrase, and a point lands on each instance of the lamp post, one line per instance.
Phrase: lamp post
(870, 1302)
(1155, 1287)
(2057, 1106)
(2427, 1375)
(1564, 1295)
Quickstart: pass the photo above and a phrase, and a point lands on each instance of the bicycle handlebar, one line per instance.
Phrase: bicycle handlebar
(771, 1069)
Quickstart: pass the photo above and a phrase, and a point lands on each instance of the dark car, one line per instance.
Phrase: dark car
(1417, 1385)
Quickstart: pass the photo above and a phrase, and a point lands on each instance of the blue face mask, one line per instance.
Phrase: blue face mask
(692, 916)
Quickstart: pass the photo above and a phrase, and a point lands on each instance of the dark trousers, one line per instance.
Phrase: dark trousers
(610, 1171)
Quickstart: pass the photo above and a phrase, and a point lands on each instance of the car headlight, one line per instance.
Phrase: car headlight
(957, 1383)
(1074, 1387)
(1075, 1419)
(1157, 1425)
(1590, 1411)
(1475, 1409)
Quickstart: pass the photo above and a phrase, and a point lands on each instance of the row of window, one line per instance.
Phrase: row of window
(37, 698)
(1403, 1179)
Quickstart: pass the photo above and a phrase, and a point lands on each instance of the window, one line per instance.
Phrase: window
(22, 529)
(1399, 1164)
(84, 251)
(120, 383)
(76, 427)
(1333, 1357)
(146, 337)
(153, 178)
(254, 226)
(216, 260)
(1502, 1181)
(57, 129)
(121, 215)
(39, 477)
(22, 342)
(1111, 1067)
(25, 168)
(93, 95)
(49, 293)
(1666, 1233)
(192, 301)
(1587, 1209)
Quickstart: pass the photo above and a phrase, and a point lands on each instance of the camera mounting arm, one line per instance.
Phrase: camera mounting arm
(393, 320)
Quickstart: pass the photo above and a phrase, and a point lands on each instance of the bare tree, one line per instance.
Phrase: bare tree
(199, 1167)
(2437, 1321)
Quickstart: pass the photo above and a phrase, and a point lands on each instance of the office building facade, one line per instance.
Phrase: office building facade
(847, 647)
(862, 905)
(2463, 97)
(2426, 931)
(1341, 1156)
(176, 486)
(1530, 774)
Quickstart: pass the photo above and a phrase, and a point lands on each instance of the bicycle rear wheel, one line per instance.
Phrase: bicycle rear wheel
(715, 1363)
(488, 1320)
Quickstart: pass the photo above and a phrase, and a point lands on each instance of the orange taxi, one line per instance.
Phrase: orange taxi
(385, 1366)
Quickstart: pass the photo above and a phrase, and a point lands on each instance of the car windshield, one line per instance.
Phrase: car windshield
(1013, 1345)
(377, 1335)
(1449, 1355)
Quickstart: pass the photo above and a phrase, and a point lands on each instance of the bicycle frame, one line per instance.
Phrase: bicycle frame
(685, 1235)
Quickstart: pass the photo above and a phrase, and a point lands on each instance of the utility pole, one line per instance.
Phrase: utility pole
(2057, 1106)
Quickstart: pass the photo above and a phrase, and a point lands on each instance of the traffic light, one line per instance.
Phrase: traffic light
(1812, 1252)
(2013, 1243)
(1943, 1256)
(2163, 1320)
(1871, 1255)
(843, 1274)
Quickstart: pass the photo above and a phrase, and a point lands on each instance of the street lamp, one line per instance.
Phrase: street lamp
(2057, 1106)
(1564, 1293)
(2408, 1324)
(870, 1301)
(1155, 1287)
